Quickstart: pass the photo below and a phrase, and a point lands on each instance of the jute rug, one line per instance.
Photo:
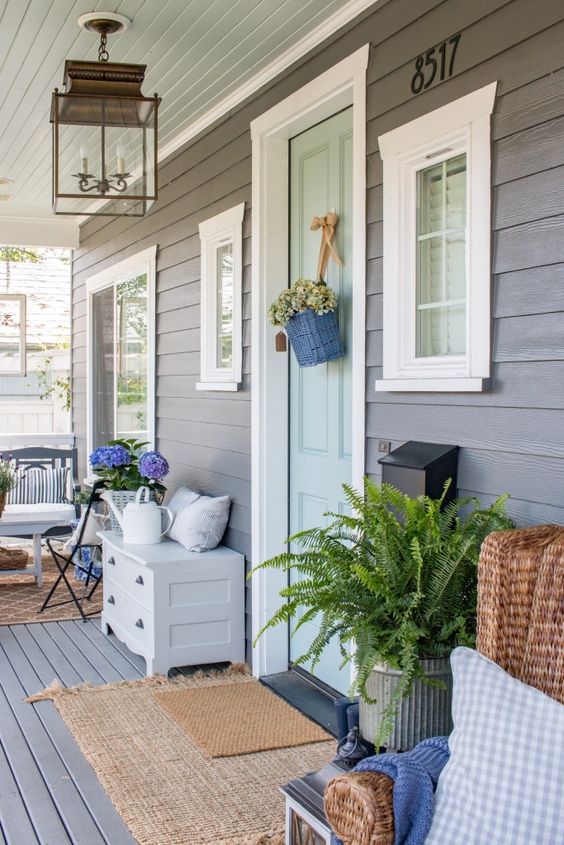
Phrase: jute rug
(21, 598)
(165, 787)
(234, 719)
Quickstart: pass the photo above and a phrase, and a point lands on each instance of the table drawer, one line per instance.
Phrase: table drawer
(129, 613)
(130, 575)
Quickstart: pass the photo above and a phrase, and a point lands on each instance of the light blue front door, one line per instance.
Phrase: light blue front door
(320, 397)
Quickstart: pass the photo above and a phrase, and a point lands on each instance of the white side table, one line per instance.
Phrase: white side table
(35, 520)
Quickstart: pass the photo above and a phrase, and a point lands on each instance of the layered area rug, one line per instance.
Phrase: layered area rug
(166, 786)
(21, 598)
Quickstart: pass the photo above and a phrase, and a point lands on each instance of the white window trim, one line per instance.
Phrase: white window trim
(463, 125)
(224, 228)
(141, 262)
(21, 298)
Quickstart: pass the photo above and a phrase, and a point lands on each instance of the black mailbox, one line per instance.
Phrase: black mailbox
(421, 469)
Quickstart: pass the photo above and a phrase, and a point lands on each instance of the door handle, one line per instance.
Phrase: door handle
(139, 623)
(111, 600)
(111, 561)
(139, 580)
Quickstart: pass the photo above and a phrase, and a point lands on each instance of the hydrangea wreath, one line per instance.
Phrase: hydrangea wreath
(303, 294)
(124, 466)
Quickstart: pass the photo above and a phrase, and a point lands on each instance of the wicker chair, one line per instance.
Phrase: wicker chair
(520, 627)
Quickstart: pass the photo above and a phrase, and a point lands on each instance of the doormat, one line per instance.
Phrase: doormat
(165, 787)
(21, 598)
(239, 718)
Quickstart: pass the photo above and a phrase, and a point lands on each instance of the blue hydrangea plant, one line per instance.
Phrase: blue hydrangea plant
(127, 465)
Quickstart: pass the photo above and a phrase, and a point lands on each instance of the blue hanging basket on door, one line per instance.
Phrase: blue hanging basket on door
(314, 337)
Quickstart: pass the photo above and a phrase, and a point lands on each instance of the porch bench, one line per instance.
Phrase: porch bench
(41, 519)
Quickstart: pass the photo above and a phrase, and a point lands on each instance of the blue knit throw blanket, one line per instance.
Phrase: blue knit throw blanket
(415, 774)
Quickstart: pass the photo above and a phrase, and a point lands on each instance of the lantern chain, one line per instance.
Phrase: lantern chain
(103, 54)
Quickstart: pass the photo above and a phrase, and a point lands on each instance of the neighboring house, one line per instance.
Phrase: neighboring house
(388, 122)
(34, 339)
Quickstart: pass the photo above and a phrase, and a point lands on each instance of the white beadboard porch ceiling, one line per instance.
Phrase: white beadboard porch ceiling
(201, 56)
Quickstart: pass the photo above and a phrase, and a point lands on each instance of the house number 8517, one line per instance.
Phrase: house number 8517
(436, 63)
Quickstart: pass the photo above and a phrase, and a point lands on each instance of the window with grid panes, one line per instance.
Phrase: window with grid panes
(437, 233)
(441, 258)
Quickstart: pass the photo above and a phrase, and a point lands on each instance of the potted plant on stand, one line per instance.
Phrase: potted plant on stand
(397, 583)
(124, 468)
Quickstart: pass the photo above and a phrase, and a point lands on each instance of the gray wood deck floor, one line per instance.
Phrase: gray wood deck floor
(49, 795)
(48, 792)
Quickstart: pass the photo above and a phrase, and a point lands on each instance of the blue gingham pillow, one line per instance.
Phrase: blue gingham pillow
(504, 781)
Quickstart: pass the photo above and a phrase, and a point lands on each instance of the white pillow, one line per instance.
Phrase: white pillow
(504, 781)
(201, 523)
(182, 497)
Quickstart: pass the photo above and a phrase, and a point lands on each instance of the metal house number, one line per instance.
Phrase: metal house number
(435, 64)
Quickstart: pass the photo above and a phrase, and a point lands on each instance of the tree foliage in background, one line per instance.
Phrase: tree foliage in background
(57, 386)
(17, 255)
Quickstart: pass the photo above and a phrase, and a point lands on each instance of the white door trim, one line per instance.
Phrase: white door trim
(341, 86)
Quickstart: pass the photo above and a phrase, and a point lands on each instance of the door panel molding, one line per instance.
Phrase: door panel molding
(341, 86)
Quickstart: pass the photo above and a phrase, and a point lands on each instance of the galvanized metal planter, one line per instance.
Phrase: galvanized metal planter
(425, 713)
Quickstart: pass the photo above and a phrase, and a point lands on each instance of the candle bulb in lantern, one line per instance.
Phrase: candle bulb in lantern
(120, 154)
(83, 160)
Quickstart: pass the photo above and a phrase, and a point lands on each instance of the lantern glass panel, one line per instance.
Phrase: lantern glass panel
(105, 154)
(303, 833)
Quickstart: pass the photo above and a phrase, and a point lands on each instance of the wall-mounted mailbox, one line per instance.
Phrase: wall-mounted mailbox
(421, 469)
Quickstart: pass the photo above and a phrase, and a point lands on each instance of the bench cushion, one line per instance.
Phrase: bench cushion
(43, 511)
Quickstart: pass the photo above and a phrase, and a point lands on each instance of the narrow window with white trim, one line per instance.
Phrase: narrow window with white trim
(221, 300)
(437, 249)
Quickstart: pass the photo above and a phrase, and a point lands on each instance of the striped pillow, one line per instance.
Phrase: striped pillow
(35, 485)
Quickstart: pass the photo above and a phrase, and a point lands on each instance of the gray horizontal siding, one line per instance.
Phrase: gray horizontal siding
(511, 436)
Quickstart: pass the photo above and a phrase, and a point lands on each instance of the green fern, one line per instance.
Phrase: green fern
(398, 579)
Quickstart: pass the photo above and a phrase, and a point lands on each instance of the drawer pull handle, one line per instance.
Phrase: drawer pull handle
(111, 561)
(139, 623)
(139, 580)
(111, 600)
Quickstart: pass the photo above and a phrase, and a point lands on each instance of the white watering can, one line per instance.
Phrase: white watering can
(141, 521)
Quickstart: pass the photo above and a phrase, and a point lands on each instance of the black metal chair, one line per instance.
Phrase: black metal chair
(74, 558)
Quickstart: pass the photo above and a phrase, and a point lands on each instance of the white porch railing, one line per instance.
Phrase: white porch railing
(20, 441)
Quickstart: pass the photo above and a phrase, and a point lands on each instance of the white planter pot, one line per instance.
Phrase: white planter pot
(424, 713)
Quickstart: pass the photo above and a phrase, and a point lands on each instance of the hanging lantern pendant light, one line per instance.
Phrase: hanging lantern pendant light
(117, 181)
(113, 135)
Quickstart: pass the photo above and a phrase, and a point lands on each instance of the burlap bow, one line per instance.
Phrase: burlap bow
(328, 225)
